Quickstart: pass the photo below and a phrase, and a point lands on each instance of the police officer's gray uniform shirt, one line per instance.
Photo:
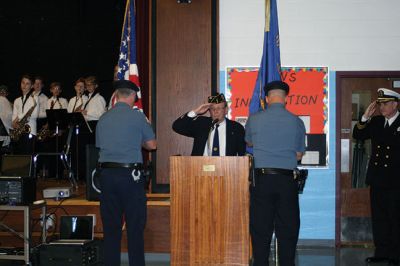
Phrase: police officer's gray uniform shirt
(276, 135)
(120, 133)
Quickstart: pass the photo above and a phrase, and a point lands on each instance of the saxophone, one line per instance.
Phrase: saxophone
(79, 107)
(45, 133)
(22, 124)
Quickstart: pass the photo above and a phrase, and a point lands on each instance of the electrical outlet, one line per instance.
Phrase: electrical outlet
(50, 220)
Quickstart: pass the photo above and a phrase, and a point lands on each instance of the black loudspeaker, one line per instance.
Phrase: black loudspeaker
(92, 157)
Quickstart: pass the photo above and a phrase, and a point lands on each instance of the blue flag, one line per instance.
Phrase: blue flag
(270, 66)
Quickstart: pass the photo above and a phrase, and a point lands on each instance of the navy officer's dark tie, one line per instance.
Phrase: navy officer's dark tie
(387, 124)
(215, 147)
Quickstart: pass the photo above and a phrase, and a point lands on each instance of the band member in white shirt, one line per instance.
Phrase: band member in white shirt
(77, 102)
(95, 105)
(25, 108)
(42, 101)
(56, 102)
(5, 114)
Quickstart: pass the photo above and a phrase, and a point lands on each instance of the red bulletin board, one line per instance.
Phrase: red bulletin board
(308, 94)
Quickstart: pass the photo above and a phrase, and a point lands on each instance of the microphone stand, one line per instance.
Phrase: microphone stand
(57, 131)
(77, 150)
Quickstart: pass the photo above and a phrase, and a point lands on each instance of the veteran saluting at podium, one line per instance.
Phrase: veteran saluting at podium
(214, 135)
(383, 173)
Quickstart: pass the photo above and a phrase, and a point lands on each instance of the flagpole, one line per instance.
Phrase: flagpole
(266, 29)
(267, 14)
(125, 15)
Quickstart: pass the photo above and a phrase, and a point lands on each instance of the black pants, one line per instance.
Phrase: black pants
(121, 195)
(274, 205)
(385, 207)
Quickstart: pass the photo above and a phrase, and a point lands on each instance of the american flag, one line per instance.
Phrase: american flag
(127, 64)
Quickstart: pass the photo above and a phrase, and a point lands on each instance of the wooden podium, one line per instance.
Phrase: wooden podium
(209, 210)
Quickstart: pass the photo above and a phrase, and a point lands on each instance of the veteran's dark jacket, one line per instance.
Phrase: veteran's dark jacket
(199, 127)
(384, 164)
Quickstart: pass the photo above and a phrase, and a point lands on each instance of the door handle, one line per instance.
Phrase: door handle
(344, 155)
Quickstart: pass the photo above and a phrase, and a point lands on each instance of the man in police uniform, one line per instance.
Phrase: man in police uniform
(278, 140)
(120, 135)
(215, 135)
(383, 173)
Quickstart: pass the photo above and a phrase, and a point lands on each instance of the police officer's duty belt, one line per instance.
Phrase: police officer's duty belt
(120, 165)
(274, 171)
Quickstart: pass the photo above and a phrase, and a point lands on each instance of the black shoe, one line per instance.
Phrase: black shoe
(376, 259)
(393, 262)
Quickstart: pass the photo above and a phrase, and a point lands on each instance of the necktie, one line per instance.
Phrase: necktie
(52, 104)
(387, 124)
(215, 148)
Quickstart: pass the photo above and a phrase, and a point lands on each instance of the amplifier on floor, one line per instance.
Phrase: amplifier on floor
(17, 187)
(86, 253)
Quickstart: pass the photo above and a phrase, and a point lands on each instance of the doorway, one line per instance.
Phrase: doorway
(355, 91)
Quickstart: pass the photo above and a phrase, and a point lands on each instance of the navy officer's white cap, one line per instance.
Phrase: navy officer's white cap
(386, 95)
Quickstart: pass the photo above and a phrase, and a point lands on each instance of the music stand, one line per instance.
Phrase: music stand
(3, 130)
(3, 135)
(77, 123)
(58, 120)
(78, 120)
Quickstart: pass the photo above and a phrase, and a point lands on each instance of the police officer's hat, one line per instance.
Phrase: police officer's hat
(218, 98)
(386, 95)
(276, 85)
(125, 84)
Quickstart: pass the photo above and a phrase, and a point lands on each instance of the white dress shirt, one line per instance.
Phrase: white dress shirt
(76, 102)
(391, 120)
(60, 103)
(221, 138)
(6, 117)
(42, 102)
(19, 111)
(95, 107)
